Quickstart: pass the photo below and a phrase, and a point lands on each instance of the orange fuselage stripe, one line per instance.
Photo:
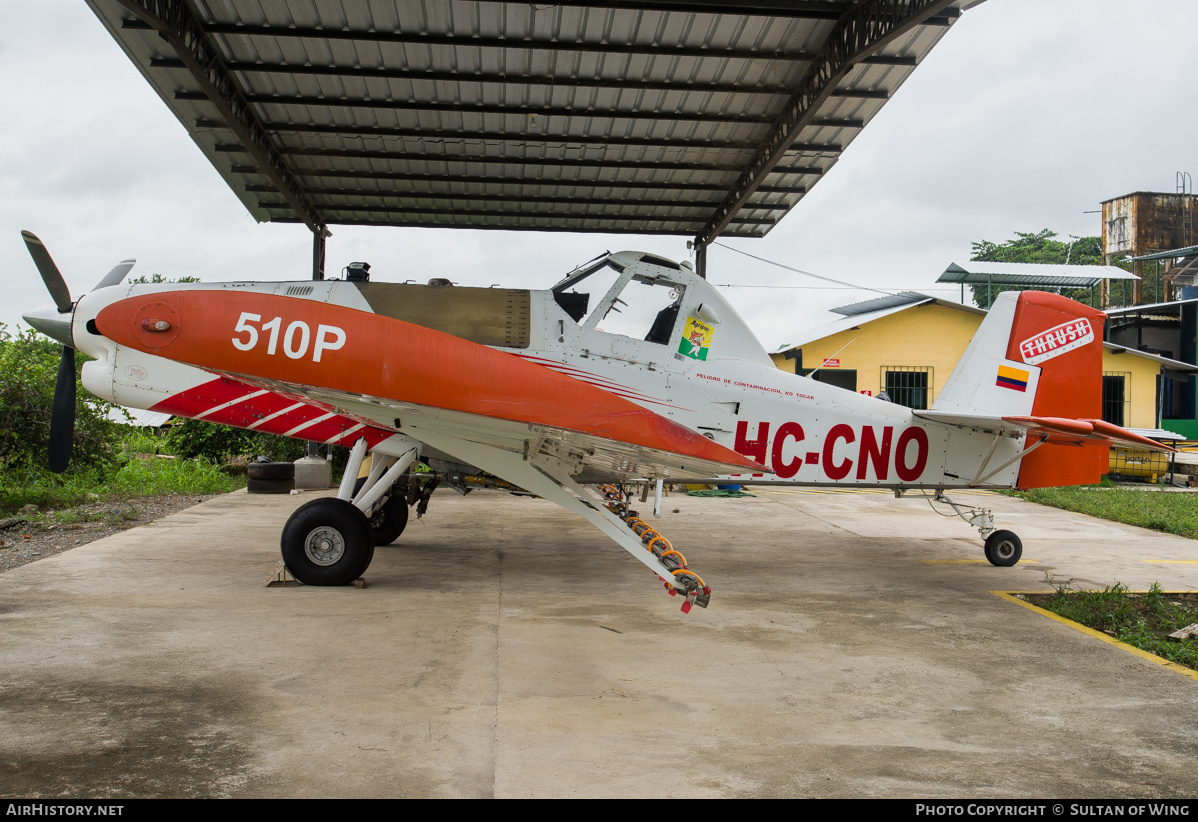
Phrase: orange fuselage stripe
(391, 359)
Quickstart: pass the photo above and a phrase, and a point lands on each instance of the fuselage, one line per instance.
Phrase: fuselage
(691, 359)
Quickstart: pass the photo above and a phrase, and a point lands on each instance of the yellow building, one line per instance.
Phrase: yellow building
(908, 344)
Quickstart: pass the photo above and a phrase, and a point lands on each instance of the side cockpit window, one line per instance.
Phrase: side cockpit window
(640, 301)
(643, 310)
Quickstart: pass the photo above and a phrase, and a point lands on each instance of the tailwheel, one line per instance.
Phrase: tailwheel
(1003, 548)
(327, 542)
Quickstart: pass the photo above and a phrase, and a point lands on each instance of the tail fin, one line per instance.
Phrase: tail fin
(1036, 355)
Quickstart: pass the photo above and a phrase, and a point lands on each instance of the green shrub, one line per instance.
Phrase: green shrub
(28, 373)
(220, 443)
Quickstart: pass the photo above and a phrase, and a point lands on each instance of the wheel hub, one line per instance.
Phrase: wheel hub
(1005, 549)
(324, 545)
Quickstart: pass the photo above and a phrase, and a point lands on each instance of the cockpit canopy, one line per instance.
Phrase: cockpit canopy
(629, 293)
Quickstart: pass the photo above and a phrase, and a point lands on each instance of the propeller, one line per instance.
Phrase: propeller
(62, 416)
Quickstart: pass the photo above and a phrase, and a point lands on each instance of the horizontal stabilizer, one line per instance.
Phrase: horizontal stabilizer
(1060, 428)
(1057, 430)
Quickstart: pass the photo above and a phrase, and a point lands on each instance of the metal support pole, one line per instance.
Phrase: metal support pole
(318, 238)
(701, 259)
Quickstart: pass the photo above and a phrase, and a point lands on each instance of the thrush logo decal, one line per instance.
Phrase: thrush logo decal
(1057, 341)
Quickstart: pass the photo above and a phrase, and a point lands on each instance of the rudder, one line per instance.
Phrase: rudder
(1064, 339)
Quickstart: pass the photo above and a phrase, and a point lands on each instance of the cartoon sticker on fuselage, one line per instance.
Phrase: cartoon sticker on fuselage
(696, 339)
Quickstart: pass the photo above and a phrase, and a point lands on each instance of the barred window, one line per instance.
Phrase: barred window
(909, 385)
(1115, 397)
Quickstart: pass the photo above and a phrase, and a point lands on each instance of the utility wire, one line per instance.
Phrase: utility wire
(823, 287)
(807, 273)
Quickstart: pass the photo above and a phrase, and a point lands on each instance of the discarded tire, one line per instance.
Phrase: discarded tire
(271, 471)
(269, 486)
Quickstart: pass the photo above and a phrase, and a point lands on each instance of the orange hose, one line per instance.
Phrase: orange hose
(693, 574)
(668, 546)
(678, 554)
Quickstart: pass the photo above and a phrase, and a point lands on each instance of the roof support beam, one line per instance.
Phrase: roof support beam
(402, 176)
(862, 31)
(479, 77)
(468, 212)
(491, 43)
(687, 226)
(454, 108)
(417, 157)
(817, 10)
(175, 23)
(523, 138)
(317, 191)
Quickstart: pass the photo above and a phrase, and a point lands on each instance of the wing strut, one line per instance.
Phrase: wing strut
(979, 479)
(550, 478)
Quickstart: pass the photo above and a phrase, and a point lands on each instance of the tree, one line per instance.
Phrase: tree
(158, 278)
(1040, 247)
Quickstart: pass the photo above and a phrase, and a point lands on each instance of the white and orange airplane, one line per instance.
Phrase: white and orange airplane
(631, 369)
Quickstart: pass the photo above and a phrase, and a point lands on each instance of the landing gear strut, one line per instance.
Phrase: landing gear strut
(1002, 548)
(331, 541)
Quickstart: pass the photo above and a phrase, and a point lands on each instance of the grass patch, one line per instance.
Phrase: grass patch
(134, 476)
(1143, 620)
(144, 477)
(1159, 510)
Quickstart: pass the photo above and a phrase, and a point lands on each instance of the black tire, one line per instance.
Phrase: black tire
(1003, 549)
(269, 486)
(270, 470)
(389, 521)
(327, 542)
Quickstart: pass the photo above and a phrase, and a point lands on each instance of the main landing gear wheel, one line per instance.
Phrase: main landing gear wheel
(1003, 548)
(388, 522)
(327, 542)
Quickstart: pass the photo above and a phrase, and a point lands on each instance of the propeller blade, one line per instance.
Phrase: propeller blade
(62, 419)
(51, 276)
(116, 275)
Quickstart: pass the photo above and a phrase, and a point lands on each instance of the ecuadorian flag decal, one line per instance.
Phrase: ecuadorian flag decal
(1013, 378)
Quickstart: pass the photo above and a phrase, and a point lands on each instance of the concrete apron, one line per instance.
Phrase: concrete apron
(504, 648)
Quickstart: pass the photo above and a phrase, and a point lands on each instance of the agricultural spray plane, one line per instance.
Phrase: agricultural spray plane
(630, 369)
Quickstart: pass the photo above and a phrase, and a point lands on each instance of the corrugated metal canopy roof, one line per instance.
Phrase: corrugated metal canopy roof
(859, 314)
(879, 303)
(1140, 309)
(694, 118)
(1172, 254)
(1051, 275)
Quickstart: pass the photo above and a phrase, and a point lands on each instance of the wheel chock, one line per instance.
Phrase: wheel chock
(280, 577)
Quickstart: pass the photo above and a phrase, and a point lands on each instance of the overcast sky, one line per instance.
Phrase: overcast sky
(1026, 114)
